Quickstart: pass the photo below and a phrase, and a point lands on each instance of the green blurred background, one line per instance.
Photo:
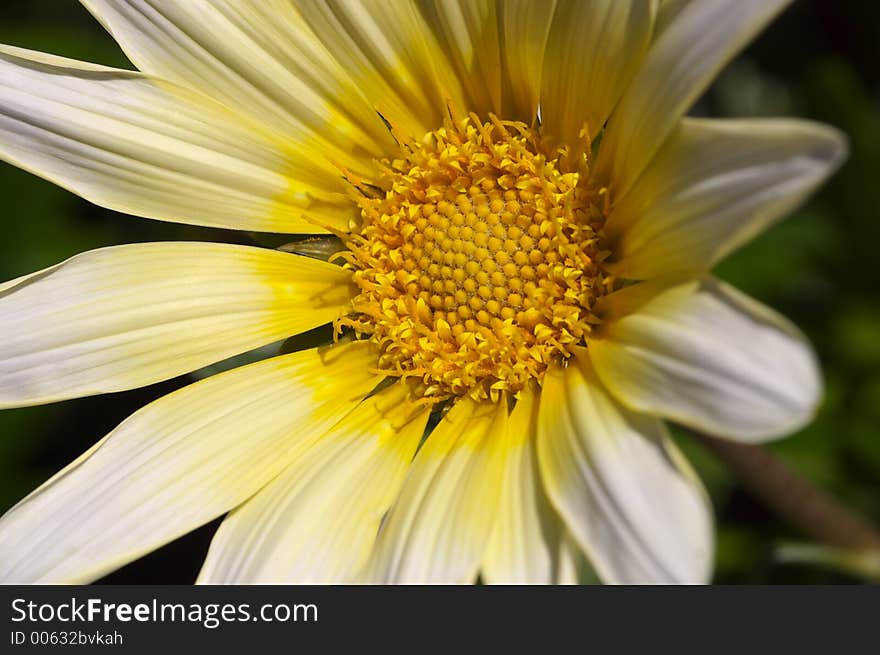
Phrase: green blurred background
(821, 60)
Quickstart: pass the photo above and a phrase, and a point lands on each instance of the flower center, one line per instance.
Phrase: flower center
(480, 262)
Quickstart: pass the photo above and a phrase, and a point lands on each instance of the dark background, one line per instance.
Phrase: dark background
(820, 60)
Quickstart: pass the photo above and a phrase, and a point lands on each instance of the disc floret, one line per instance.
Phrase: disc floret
(480, 261)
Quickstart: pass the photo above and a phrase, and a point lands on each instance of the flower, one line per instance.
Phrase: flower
(526, 222)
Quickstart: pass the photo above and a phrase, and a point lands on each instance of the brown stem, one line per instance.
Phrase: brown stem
(796, 499)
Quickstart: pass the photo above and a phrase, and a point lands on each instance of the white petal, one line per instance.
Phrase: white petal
(667, 12)
(529, 543)
(128, 316)
(317, 521)
(391, 52)
(4, 286)
(178, 463)
(701, 38)
(526, 28)
(704, 355)
(257, 57)
(572, 567)
(467, 31)
(715, 185)
(593, 51)
(622, 488)
(147, 147)
(438, 529)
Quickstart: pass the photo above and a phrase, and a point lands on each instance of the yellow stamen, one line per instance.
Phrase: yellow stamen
(480, 264)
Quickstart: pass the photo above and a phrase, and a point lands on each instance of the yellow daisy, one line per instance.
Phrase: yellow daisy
(521, 222)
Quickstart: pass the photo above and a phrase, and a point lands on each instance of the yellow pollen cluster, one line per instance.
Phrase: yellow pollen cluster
(480, 262)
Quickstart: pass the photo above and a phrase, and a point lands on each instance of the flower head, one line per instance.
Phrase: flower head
(479, 260)
(519, 224)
